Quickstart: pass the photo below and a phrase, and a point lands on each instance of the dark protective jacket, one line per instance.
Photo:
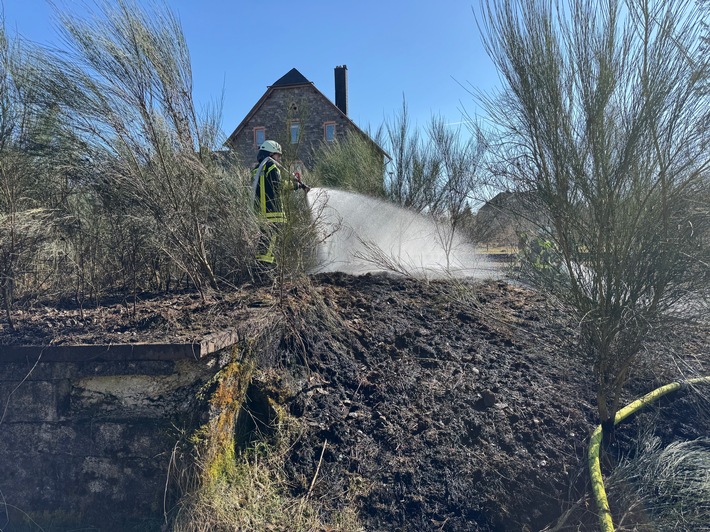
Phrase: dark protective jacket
(268, 187)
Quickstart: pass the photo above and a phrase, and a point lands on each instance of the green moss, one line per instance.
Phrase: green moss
(246, 488)
(215, 440)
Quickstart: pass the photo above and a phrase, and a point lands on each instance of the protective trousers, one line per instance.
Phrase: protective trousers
(267, 243)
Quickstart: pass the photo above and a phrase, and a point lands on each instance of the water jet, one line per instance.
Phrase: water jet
(361, 234)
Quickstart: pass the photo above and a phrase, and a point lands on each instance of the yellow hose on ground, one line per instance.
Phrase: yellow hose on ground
(595, 471)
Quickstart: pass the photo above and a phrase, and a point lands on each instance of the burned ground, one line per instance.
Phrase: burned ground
(442, 407)
(426, 405)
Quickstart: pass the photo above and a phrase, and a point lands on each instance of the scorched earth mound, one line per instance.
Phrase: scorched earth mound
(435, 405)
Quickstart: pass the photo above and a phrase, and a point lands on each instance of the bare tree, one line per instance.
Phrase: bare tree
(460, 161)
(414, 172)
(600, 117)
(435, 172)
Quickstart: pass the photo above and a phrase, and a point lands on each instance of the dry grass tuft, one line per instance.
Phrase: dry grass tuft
(666, 487)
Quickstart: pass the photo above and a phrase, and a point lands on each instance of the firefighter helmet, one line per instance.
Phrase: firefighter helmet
(271, 146)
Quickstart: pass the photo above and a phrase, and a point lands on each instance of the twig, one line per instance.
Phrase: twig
(320, 461)
(173, 460)
(9, 396)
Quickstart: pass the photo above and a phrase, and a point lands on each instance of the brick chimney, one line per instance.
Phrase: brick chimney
(341, 88)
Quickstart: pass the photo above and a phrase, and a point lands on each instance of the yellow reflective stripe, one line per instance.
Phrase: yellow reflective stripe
(268, 255)
(276, 216)
(262, 193)
(262, 188)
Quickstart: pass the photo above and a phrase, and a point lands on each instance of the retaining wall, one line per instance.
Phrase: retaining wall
(87, 432)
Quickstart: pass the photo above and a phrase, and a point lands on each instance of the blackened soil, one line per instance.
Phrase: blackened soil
(439, 406)
(427, 406)
(444, 406)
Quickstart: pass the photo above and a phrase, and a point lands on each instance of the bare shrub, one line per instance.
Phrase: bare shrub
(128, 82)
(600, 119)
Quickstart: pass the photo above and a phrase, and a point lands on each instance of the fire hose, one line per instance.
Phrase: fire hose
(595, 471)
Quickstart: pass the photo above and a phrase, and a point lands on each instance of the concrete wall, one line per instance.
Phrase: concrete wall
(87, 433)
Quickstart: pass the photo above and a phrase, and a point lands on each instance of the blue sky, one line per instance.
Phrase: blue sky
(424, 51)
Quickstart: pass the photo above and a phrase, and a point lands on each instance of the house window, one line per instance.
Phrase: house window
(329, 131)
(295, 132)
(259, 136)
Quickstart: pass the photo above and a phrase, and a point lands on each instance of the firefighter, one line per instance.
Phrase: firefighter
(268, 187)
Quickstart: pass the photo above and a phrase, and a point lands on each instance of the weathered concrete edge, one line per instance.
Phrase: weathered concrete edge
(140, 351)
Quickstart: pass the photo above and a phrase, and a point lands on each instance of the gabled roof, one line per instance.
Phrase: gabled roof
(293, 78)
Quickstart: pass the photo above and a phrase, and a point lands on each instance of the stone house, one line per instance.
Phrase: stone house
(300, 117)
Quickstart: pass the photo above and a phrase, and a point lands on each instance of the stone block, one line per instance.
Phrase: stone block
(27, 401)
(138, 396)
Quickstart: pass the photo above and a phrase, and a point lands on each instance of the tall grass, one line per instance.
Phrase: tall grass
(254, 494)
